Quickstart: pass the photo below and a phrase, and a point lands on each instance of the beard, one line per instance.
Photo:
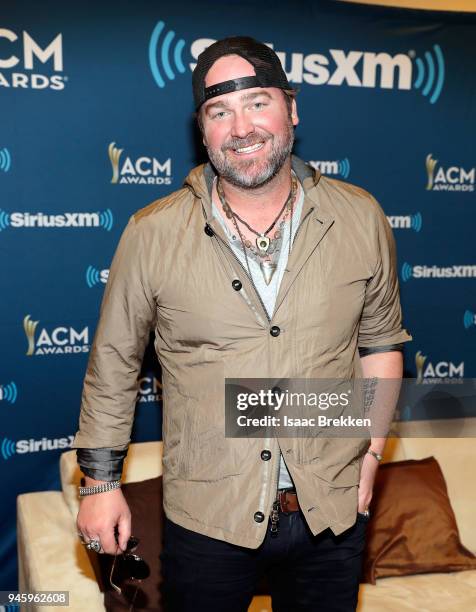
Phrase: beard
(252, 173)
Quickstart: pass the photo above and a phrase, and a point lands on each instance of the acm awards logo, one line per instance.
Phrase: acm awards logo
(60, 340)
(424, 73)
(150, 390)
(140, 171)
(26, 54)
(9, 448)
(9, 393)
(451, 178)
(429, 372)
(336, 167)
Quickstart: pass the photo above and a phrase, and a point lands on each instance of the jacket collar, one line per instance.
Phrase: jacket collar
(315, 219)
(200, 181)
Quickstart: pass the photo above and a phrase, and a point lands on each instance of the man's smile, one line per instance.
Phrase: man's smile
(250, 149)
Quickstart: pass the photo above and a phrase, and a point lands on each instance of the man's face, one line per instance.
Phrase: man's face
(249, 134)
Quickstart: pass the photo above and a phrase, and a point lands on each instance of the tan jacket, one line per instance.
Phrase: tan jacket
(339, 292)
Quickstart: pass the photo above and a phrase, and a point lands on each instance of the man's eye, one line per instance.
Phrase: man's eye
(259, 105)
(219, 115)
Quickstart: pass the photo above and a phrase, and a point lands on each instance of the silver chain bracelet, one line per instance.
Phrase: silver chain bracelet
(102, 488)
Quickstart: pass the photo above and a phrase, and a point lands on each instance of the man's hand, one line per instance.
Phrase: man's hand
(100, 513)
(367, 479)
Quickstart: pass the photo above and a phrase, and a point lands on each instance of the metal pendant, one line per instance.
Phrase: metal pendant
(262, 242)
(268, 269)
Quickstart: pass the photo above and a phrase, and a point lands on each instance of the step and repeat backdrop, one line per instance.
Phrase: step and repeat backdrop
(96, 121)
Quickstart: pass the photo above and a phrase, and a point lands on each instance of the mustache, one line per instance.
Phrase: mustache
(240, 143)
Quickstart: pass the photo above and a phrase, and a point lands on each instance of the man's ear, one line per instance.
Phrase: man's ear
(200, 127)
(294, 114)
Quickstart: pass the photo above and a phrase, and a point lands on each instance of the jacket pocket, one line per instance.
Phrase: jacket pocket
(329, 452)
(348, 476)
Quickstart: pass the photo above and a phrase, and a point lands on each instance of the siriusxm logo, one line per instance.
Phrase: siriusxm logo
(95, 276)
(60, 340)
(337, 167)
(162, 51)
(452, 178)
(9, 393)
(150, 390)
(141, 171)
(413, 222)
(8, 447)
(420, 271)
(5, 160)
(103, 219)
(469, 319)
(428, 371)
(404, 71)
(31, 56)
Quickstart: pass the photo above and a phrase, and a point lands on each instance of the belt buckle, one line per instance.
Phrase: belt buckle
(283, 502)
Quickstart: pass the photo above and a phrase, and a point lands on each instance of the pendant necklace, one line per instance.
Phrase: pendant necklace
(263, 242)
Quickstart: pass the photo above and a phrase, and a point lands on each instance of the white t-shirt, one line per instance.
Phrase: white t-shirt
(268, 293)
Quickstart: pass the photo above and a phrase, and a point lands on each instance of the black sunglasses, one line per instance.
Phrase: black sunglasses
(128, 566)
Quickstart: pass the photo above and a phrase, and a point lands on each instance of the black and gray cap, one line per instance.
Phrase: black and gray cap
(268, 68)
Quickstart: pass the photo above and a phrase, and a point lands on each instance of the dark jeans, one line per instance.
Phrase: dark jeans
(305, 573)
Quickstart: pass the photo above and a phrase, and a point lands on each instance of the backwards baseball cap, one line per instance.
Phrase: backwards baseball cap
(268, 68)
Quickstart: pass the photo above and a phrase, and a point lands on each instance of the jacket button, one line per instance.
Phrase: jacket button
(275, 331)
(236, 284)
(208, 230)
(277, 391)
(259, 517)
(266, 455)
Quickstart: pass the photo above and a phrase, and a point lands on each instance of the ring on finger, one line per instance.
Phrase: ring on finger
(94, 545)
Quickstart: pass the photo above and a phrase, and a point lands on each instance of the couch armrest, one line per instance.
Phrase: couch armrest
(50, 554)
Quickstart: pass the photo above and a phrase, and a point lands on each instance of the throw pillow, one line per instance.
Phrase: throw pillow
(412, 529)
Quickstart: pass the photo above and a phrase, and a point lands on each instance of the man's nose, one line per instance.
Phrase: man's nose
(242, 125)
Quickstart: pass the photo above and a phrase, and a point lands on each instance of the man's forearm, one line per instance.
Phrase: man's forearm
(388, 365)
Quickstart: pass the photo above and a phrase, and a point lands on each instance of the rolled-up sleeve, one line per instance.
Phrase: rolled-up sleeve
(126, 319)
(381, 320)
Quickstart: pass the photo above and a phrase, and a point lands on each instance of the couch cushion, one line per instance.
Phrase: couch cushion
(50, 554)
(456, 457)
(413, 528)
(452, 592)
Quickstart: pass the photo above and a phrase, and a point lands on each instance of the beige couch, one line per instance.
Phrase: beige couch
(51, 557)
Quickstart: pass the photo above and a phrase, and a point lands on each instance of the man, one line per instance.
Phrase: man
(257, 267)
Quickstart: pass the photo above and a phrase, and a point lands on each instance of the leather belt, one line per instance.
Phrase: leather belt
(288, 501)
